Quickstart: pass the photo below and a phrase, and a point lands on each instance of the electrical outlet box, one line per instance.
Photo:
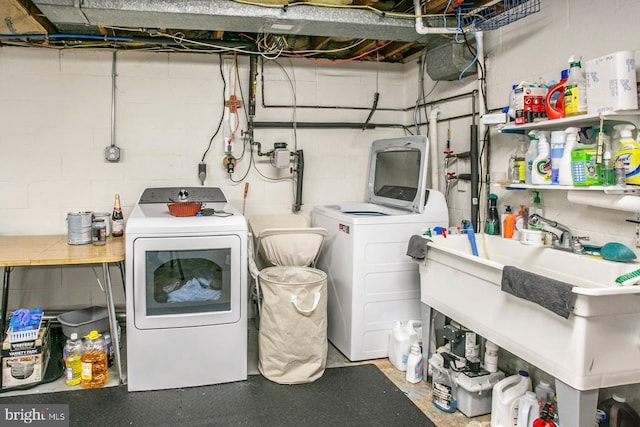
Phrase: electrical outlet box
(112, 153)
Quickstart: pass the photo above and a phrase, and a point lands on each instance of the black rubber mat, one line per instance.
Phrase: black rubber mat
(353, 396)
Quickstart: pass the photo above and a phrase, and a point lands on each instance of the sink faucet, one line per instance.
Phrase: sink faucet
(566, 242)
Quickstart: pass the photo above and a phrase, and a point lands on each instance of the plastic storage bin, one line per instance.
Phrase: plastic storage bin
(475, 391)
(84, 321)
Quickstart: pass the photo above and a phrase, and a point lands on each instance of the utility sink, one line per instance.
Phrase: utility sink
(597, 346)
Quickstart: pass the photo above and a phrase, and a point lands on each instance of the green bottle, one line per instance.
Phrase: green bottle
(493, 217)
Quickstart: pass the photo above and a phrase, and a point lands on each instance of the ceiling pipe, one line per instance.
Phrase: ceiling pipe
(422, 29)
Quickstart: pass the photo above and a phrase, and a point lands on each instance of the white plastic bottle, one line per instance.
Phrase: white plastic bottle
(575, 90)
(530, 155)
(528, 409)
(558, 139)
(564, 171)
(505, 399)
(398, 341)
(490, 357)
(541, 169)
(414, 364)
(545, 392)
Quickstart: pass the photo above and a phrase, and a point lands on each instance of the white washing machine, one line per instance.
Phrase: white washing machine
(371, 281)
(186, 291)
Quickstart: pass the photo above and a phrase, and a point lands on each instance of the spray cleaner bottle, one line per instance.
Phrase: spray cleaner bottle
(564, 170)
(629, 154)
(541, 169)
(530, 155)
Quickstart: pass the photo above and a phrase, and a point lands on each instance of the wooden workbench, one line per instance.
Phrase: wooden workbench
(27, 251)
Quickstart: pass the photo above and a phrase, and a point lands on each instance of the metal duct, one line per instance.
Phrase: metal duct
(225, 15)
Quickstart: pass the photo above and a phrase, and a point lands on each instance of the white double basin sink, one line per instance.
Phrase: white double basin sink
(596, 346)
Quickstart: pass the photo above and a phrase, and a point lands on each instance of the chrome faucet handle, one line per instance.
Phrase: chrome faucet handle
(576, 246)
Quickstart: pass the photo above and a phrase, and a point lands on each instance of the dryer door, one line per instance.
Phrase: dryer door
(186, 281)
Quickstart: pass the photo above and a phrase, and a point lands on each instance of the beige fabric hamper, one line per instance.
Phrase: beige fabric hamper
(292, 340)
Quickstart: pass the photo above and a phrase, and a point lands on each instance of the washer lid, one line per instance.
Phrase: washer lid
(398, 173)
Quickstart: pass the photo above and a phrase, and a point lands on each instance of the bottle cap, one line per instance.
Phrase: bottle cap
(93, 335)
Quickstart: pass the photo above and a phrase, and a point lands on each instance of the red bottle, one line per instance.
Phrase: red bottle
(555, 107)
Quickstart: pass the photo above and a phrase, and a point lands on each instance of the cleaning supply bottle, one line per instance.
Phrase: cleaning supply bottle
(530, 155)
(528, 409)
(558, 139)
(541, 169)
(629, 154)
(414, 364)
(505, 399)
(509, 225)
(503, 217)
(493, 218)
(443, 395)
(544, 392)
(575, 90)
(607, 165)
(399, 344)
(519, 172)
(522, 219)
(536, 208)
(554, 101)
(618, 413)
(72, 355)
(564, 171)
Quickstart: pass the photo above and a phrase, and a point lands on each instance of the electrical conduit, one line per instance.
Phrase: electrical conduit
(433, 148)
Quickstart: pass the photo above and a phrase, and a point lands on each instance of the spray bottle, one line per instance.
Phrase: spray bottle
(629, 154)
(531, 154)
(541, 169)
(564, 170)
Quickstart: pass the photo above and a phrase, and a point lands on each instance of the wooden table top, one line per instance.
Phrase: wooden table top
(55, 250)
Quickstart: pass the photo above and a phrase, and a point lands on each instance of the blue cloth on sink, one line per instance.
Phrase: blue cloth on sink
(551, 294)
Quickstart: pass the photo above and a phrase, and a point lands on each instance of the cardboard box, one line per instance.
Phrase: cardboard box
(530, 104)
(26, 362)
(611, 83)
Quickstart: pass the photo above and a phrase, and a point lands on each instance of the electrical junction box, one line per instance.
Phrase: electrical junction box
(112, 153)
(280, 157)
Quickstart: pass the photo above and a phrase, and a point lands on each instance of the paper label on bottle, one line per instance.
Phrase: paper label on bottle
(87, 368)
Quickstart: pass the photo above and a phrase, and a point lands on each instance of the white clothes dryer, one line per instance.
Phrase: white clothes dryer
(186, 291)
(371, 281)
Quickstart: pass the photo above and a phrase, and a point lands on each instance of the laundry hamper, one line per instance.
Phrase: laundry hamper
(292, 340)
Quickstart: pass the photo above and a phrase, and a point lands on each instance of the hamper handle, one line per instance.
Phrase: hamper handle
(316, 300)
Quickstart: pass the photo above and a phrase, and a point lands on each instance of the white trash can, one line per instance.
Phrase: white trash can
(292, 340)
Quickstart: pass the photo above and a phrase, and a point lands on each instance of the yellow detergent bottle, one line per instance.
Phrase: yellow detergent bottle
(629, 154)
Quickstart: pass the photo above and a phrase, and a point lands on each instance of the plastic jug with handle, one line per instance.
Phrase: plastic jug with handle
(528, 409)
(506, 398)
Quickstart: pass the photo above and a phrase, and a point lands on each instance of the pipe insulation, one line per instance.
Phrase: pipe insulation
(433, 148)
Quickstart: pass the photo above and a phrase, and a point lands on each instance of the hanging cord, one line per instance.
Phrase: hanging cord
(224, 89)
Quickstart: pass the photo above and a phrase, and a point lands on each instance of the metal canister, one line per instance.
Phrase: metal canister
(79, 227)
(99, 232)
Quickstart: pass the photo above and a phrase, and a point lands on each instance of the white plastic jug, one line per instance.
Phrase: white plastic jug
(400, 340)
(528, 409)
(505, 399)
